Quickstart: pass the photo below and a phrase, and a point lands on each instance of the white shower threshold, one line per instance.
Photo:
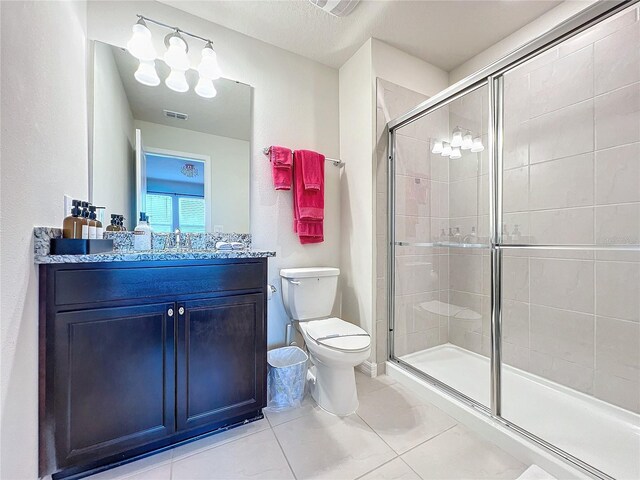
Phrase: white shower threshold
(600, 434)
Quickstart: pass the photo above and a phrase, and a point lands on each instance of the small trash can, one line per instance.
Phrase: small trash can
(286, 378)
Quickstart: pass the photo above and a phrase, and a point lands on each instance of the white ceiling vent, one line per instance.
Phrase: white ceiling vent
(176, 115)
(338, 8)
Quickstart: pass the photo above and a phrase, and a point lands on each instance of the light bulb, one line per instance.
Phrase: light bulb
(437, 147)
(455, 153)
(205, 88)
(477, 145)
(456, 139)
(177, 81)
(467, 141)
(446, 149)
(140, 45)
(208, 67)
(146, 74)
(176, 54)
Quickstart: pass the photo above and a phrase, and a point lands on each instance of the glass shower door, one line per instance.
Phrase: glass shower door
(571, 246)
(441, 255)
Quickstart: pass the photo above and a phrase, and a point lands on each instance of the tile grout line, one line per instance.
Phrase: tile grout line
(376, 468)
(174, 460)
(429, 439)
(284, 454)
(399, 455)
(409, 466)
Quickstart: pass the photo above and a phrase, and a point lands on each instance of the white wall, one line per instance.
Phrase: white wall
(398, 67)
(359, 177)
(113, 139)
(229, 169)
(356, 186)
(540, 25)
(295, 104)
(43, 156)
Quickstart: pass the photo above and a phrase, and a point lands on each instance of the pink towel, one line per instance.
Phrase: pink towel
(308, 204)
(309, 231)
(312, 164)
(281, 166)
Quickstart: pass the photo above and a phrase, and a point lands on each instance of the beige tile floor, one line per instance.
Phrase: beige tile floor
(394, 435)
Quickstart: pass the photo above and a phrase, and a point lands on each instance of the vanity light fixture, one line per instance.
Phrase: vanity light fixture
(205, 88)
(176, 58)
(456, 138)
(455, 153)
(141, 46)
(446, 149)
(176, 55)
(177, 81)
(146, 73)
(209, 67)
(467, 141)
(437, 147)
(477, 145)
(209, 71)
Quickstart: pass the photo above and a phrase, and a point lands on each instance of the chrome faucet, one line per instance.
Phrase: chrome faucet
(177, 232)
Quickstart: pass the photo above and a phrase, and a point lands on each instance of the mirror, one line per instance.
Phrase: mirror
(181, 158)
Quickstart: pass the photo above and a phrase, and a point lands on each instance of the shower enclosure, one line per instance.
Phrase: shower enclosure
(514, 240)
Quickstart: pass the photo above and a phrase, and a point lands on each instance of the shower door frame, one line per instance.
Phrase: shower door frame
(491, 77)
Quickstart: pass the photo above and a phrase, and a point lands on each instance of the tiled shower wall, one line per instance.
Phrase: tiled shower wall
(469, 274)
(414, 215)
(572, 176)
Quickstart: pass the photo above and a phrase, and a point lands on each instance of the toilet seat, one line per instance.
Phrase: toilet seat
(337, 334)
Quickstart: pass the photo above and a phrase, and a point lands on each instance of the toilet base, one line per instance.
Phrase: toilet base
(334, 388)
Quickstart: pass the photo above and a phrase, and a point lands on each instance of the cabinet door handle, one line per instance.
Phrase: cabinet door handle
(170, 312)
(181, 310)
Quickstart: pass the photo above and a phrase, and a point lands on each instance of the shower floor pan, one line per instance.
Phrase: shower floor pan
(598, 433)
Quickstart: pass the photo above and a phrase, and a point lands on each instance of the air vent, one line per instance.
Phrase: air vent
(176, 115)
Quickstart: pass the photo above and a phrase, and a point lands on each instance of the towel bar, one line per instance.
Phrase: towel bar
(335, 161)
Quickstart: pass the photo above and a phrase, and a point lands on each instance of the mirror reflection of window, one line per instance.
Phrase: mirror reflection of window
(175, 194)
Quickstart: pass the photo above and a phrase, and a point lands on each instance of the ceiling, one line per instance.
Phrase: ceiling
(443, 33)
(228, 114)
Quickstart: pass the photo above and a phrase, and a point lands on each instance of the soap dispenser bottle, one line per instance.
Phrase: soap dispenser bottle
(142, 234)
(99, 222)
(112, 226)
(92, 222)
(72, 225)
(85, 220)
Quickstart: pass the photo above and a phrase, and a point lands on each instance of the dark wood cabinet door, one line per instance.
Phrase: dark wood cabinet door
(114, 384)
(221, 359)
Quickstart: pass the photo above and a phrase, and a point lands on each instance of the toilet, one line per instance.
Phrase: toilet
(335, 346)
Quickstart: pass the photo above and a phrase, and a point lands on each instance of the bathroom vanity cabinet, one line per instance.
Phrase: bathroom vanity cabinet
(138, 356)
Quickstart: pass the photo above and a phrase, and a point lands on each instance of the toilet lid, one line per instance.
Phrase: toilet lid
(338, 334)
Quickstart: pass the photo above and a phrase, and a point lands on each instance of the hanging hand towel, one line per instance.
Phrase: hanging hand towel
(310, 231)
(281, 166)
(308, 204)
(312, 164)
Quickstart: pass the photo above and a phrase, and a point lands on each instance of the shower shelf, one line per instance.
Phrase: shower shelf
(442, 245)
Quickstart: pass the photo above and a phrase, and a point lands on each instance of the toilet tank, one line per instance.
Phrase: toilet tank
(309, 293)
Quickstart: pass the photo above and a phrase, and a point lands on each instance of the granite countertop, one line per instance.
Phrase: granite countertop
(163, 248)
(183, 254)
